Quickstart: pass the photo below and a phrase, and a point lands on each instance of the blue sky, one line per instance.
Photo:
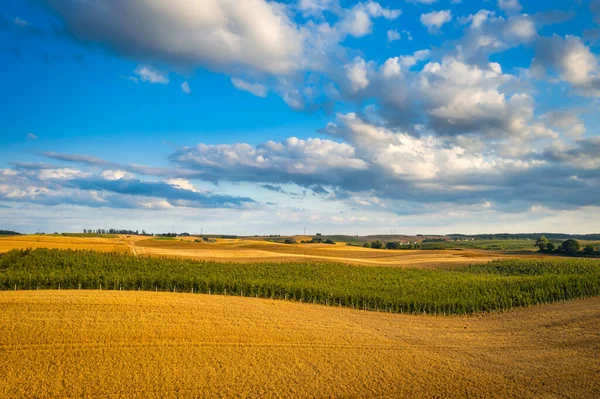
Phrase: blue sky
(266, 117)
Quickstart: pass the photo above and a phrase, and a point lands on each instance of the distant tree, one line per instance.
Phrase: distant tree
(377, 244)
(542, 243)
(392, 245)
(329, 241)
(289, 241)
(550, 247)
(589, 249)
(366, 245)
(571, 246)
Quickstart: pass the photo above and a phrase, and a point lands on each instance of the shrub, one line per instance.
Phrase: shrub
(377, 244)
(392, 245)
(589, 249)
(570, 247)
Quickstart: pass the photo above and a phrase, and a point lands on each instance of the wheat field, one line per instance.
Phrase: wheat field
(248, 250)
(258, 250)
(111, 344)
(58, 241)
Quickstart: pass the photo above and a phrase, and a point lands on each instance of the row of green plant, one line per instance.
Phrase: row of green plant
(478, 288)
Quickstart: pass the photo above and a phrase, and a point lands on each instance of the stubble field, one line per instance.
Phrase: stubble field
(248, 250)
(145, 344)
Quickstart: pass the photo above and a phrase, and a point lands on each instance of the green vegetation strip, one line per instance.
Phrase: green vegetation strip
(461, 290)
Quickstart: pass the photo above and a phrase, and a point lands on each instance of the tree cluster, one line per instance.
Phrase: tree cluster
(569, 247)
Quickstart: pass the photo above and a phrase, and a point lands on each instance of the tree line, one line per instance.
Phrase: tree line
(569, 247)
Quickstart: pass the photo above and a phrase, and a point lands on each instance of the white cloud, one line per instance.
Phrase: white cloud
(218, 34)
(31, 136)
(393, 35)
(254, 88)
(510, 5)
(151, 75)
(357, 74)
(357, 21)
(571, 60)
(436, 19)
(185, 87)
(315, 8)
(116, 175)
(565, 120)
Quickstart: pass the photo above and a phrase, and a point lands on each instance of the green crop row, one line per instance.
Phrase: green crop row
(498, 285)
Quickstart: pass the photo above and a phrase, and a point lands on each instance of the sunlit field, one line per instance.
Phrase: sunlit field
(58, 241)
(146, 345)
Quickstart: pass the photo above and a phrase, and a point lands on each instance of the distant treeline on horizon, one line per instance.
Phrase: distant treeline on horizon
(501, 236)
(528, 236)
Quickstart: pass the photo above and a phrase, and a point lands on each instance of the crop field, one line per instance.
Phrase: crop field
(502, 284)
(145, 344)
(104, 244)
(246, 250)
(259, 250)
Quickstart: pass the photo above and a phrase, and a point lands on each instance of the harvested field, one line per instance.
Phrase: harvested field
(61, 242)
(250, 250)
(238, 250)
(145, 344)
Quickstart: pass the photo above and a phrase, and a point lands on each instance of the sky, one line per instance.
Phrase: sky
(279, 117)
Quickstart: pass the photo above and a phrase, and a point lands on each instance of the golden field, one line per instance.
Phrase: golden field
(258, 250)
(61, 242)
(111, 344)
(250, 250)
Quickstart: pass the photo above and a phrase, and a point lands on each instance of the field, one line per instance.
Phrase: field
(146, 344)
(436, 323)
(502, 284)
(258, 250)
(104, 244)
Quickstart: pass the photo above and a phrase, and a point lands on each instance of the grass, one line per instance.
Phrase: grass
(107, 344)
(497, 285)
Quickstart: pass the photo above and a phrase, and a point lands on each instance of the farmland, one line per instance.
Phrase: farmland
(146, 344)
(144, 317)
(104, 244)
(456, 290)
(252, 249)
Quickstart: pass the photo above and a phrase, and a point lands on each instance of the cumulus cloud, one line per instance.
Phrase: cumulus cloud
(211, 33)
(357, 21)
(151, 75)
(357, 74)
(510, 5)
(185, 87)
(257, 89)
(393, 35)
(570, 60)
(436, 19)
(391, 165)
